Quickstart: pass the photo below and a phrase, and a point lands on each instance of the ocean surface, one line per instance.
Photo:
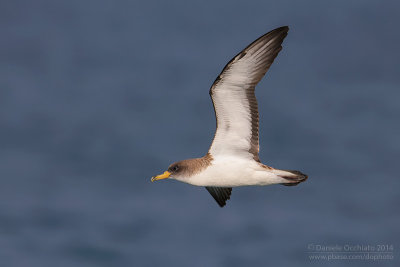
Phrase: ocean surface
(98, 96)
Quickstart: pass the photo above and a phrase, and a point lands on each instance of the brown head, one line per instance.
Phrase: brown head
(185, 168)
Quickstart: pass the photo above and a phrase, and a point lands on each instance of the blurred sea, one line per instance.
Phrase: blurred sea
(98, 96)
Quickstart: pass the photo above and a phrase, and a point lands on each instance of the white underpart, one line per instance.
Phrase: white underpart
(233, 171)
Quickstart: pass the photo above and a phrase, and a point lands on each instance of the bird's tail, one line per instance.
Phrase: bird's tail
(291, 177)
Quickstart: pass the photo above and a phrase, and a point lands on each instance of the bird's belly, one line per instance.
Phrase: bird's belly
(232, 173)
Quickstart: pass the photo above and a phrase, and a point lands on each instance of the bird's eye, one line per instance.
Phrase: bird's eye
(174, 168)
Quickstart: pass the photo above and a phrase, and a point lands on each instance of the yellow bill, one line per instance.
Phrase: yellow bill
(165, 175)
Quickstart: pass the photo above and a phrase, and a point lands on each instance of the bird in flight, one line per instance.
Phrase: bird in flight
(232, 159)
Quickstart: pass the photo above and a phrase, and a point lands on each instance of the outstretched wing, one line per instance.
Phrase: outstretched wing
(234, 100)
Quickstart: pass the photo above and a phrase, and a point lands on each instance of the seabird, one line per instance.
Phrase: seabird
(232, 159)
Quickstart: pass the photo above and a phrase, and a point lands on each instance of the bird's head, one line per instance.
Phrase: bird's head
(175, 171)
(185, 169)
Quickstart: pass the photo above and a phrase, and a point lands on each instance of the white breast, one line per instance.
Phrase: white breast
(233, 171)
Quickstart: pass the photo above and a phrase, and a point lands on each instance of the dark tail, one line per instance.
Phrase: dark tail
(293, 178)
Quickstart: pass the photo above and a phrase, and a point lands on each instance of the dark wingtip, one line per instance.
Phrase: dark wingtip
(221, 204)
(281, 29)
(220, 194)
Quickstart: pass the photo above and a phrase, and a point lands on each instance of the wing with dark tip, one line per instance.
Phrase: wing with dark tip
(234, 100)
(220, 194)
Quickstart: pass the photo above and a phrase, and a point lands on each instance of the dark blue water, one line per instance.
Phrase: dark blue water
(98, 96)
